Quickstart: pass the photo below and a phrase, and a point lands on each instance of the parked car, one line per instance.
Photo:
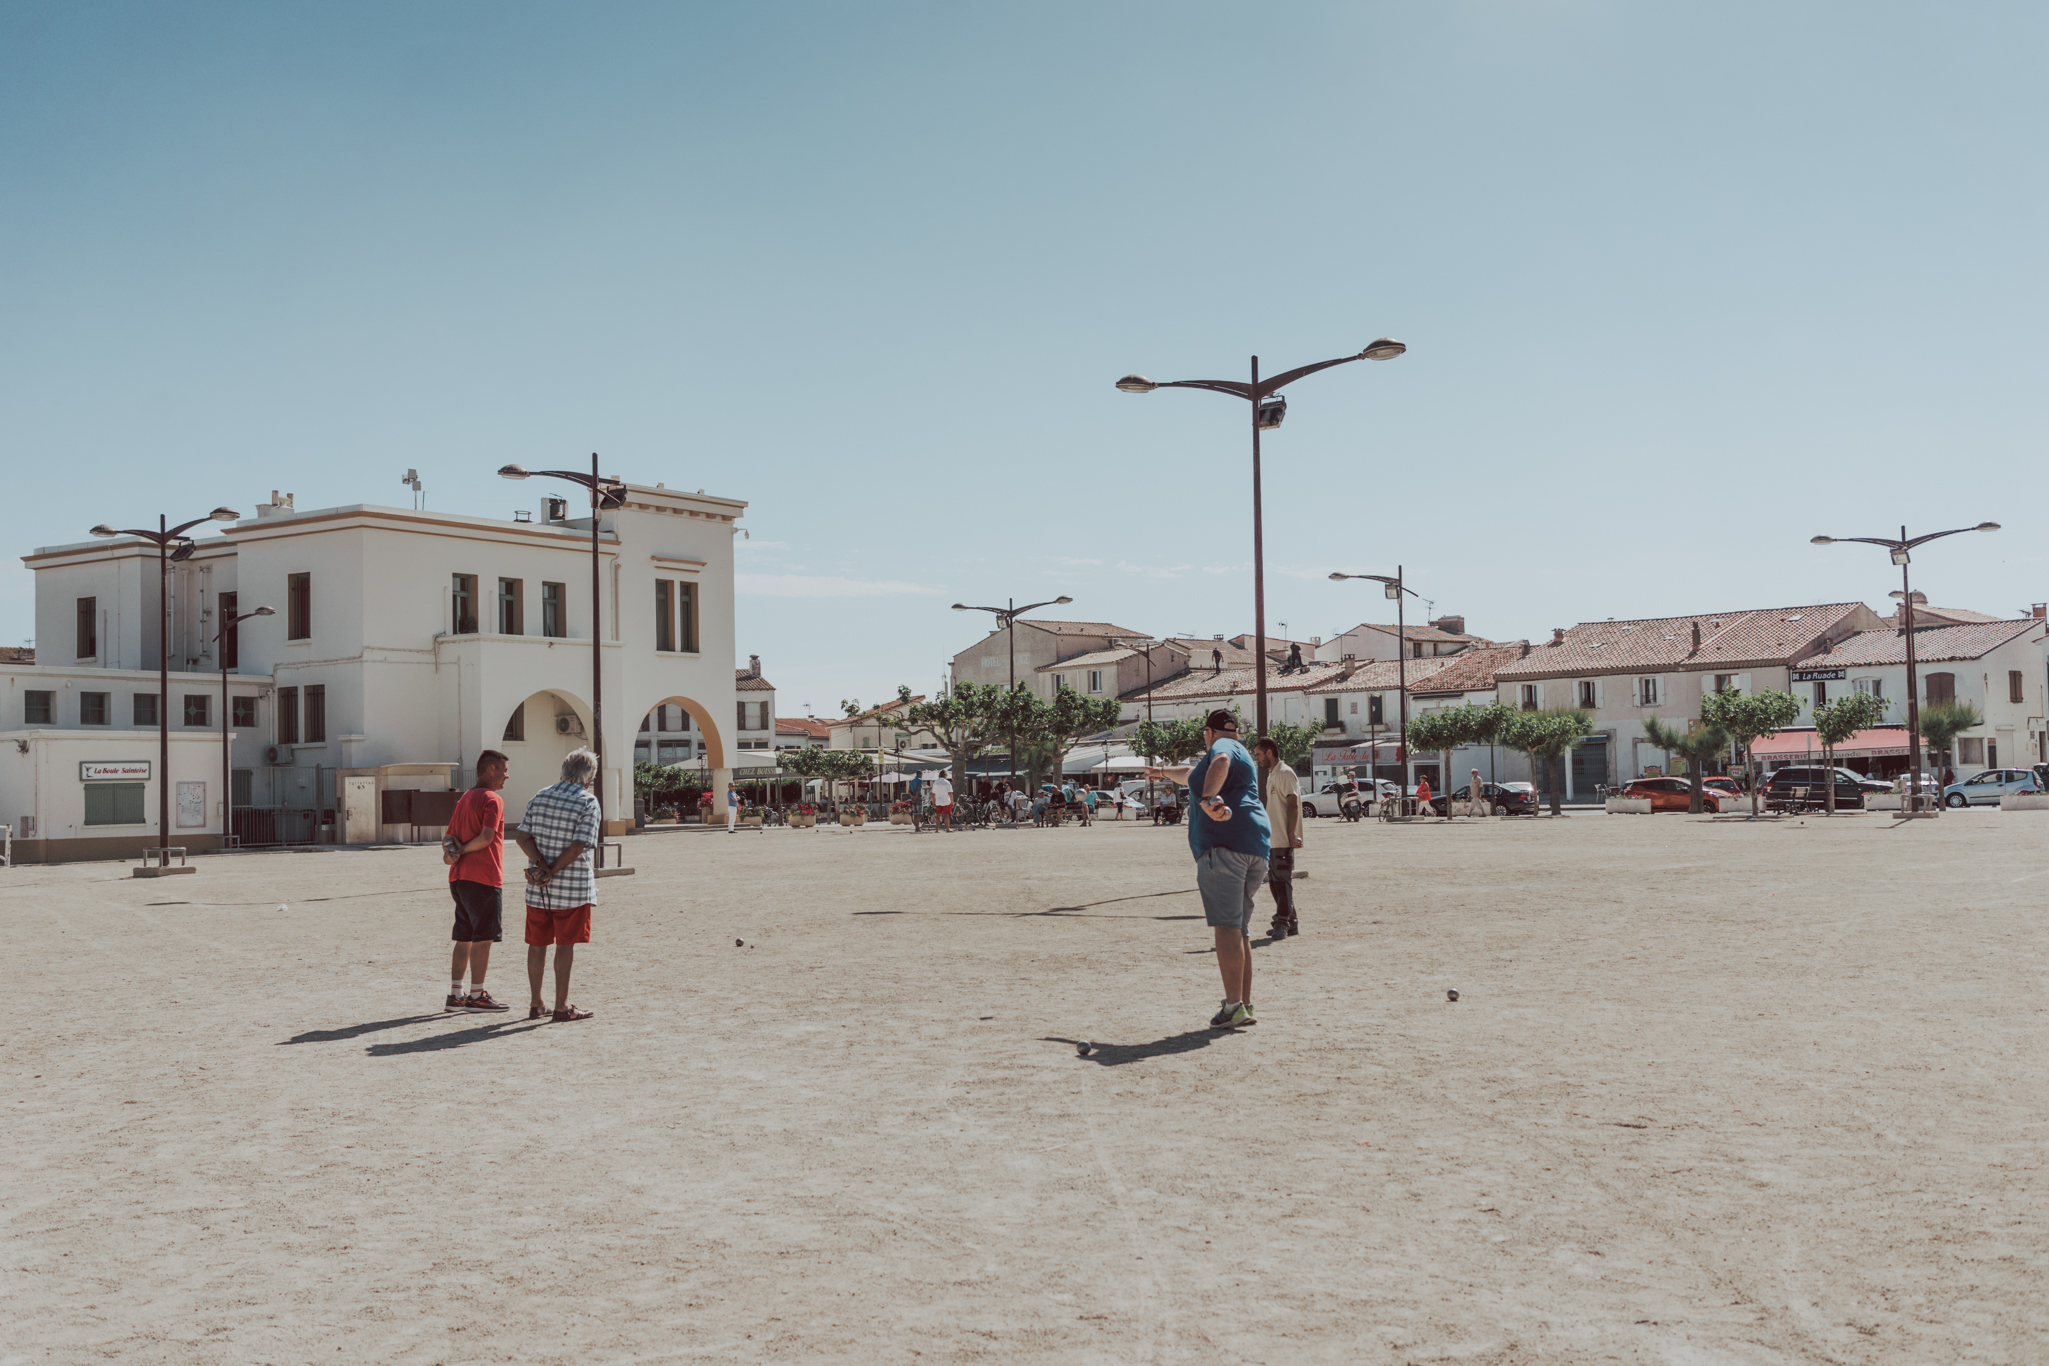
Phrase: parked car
(1722, 784)
(1786, 786)
(1506, 799)
(1674, 794)
(1985, 789)
(1328, 800)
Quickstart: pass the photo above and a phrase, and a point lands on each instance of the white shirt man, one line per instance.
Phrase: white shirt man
(942, 800)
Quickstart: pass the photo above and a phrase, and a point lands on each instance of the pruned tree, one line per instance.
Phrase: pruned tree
(1696, 745)
(1446, 730)
(1545, 736)
(1057, 724)
(1837, 721)
(1168, 742)
(1941, 723)
(1296, 743)
(1748, 720)
(834, 765)
(965, 720)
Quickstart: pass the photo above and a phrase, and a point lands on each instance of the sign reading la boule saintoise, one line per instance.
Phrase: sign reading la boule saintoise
(116, 771)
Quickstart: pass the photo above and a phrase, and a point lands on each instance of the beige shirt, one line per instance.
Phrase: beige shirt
(1282, 783)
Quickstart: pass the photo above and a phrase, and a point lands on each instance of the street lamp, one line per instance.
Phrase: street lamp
(1394, 588)
(1007, 617)
(605, 495)
(1901, 555)
(1268, 408)
(1147, 651)
(172, 545)
(227, 773)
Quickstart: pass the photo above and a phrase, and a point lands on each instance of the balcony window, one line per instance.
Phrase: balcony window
(511, 607)
(1941, 688)
(554, 617)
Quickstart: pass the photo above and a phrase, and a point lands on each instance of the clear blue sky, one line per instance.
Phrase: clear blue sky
(1683, 285)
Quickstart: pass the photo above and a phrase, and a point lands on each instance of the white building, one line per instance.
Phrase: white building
(405, 642)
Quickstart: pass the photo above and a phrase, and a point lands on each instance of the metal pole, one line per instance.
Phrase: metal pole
(1913, 688)
(597, 662)
(1010, 631)
(1258, 579)
(164, 690)
(1401, 669)
(227, 800)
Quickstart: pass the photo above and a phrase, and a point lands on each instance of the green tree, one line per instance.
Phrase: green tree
(1055, 725)
(836, 765)
(1941, 723)
(1748, 720)
(1445, 730)
(1168, 742)
(665, 785)
(965, 720)
(1837, 721)
(1696, 746)
(1296, 743)
(1545, 736)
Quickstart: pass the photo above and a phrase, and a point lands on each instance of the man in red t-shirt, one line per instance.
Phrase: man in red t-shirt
(475, 854)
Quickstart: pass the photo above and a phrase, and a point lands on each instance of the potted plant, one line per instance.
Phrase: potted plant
(900, 813)
(751, 815)
(803, 816)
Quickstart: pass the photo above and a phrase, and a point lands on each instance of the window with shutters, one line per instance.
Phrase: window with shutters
(1820, 693)
(1647, 692)
(299, 607)
(316, 714)
(1376, 710)
(1587, 695)
(1330, 715)
(1941, 688)
(1725, 682)
(2016, 687)
(114, 804)
(1870, 687)
(288, 716)
(1528, 698)
(88, 628)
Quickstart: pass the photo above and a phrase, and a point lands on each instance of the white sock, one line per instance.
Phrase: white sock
(476, 988)
(455, 987)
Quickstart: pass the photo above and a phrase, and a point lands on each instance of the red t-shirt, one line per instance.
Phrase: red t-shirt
(475, 811)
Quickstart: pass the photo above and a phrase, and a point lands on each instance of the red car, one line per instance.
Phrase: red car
(1724, 785)
(1674, 794)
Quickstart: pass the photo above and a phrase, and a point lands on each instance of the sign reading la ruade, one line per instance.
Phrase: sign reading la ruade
(1819, 675)
(119, 770)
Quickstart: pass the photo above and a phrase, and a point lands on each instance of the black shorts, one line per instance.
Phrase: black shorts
(478, 914)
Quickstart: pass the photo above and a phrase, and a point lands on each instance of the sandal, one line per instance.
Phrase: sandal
(572, 1013)
(536, 1012)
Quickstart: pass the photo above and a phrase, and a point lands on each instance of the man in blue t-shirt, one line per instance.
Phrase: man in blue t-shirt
(1229, 834)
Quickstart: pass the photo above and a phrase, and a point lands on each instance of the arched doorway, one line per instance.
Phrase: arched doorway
(683, 730)
(538, 735)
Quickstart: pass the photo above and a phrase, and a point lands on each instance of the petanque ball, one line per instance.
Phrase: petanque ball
(739, 943)
(1084, 1048)
(1452, 994)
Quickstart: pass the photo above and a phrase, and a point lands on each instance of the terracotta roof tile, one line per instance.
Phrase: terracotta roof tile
(1759, 636)
(1932, 645)
(1470, 670)
(1093, 659)
(1238, 682)
(809, 726)
(1382, 675)
(1079, 628)
(746, 680)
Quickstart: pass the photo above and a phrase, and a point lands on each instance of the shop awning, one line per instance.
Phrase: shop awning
(1881, 743)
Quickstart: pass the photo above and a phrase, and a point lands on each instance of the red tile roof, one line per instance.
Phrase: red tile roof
(809, 726)
(1932, 645)
(746, 680)
(1471, 670)
(1383, 675)
(1728, 640)
(1080, 628)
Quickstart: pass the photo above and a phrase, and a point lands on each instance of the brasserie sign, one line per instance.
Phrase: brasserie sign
(116, 771)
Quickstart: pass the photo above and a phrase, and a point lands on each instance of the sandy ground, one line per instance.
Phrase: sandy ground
(1714, 1092)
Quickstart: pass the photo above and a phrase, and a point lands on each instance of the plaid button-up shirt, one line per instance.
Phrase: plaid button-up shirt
(557, 817)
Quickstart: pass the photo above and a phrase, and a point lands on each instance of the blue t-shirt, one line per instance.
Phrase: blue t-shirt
(1248, 831)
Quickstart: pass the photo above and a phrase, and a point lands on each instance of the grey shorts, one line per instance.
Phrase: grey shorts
(1227, 879)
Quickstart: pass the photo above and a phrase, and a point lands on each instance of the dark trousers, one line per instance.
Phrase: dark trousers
(1280, 880)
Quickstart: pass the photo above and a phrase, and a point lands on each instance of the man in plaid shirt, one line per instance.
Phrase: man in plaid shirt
(557, 836)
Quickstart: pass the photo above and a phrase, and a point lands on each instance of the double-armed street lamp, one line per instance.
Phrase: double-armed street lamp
(1902, 549)
(1394, 588)
(173, 547)
(220, 639)
(1268, 408)
(606, 494)
(1006, 617)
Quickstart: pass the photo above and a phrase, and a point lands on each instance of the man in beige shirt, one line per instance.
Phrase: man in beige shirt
(1284, 808)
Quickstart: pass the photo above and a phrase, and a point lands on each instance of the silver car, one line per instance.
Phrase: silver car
(1985, 789)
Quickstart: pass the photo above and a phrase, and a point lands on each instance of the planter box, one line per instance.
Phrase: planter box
(853, 818)
(754, 821)
(2024, 801)
(1629, 806)
(899, 818)
(1885, 801)
(802, 822)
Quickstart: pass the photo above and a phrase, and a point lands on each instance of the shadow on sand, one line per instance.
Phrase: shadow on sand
(1117, 1054)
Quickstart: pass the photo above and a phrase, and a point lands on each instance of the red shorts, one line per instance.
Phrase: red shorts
(572, 926)
(944, 810)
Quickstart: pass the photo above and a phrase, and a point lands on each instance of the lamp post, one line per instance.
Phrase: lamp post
(1147, 651)
(1007, 617)
(1268, 408)
(1901, 555)
(1395, 589)
(173, 545)
(227, 772)
(605, 494)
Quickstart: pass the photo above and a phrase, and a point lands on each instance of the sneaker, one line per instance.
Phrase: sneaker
(1241, 1016)
(1222, 1019)
(454, 1002)
(483, 1001)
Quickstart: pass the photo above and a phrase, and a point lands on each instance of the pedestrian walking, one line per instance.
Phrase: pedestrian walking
(1476, 798)
(942, 800)
(1423, 796)
(1284, 802)
(475, 854)
(732, 806)
(557, 836)
(1230, 837)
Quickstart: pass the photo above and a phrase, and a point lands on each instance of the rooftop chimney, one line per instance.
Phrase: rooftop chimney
(279, 505)
(2041, 611)
(1557, 635)
(1453, 626)
(1696, 637)
(754, 665)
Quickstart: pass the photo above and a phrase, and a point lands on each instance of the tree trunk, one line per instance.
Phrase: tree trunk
(1828, 756)
(1750, 774)
(1693, 802)
(1448, 789)
(1555, 764)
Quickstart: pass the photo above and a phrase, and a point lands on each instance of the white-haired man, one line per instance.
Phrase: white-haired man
(557, 835)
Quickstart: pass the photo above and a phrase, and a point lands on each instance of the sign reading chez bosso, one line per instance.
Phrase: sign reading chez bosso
(120, 770)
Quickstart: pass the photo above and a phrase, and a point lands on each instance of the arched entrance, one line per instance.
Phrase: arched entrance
(538, 735)
(681, 729)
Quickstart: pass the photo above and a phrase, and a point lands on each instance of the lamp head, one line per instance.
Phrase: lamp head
(183, 550)
(1136, 384)
(1062, 599)
(264, 612)
(512, 472)
(1386, 348)
(1986, 526)
(1821, 540)
(1393, 590)
(224, 515)
(962, 607)
(103, 530)
(1335, 576)
(1900, 556)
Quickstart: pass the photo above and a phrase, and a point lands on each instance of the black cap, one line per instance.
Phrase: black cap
(1220, 719)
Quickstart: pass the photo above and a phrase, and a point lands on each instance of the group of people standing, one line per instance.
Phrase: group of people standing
(558, 836)
(1236, 849)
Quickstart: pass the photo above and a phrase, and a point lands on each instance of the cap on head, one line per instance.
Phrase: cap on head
(1221, 719)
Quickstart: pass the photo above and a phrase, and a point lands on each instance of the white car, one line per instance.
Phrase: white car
(1329, 800)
